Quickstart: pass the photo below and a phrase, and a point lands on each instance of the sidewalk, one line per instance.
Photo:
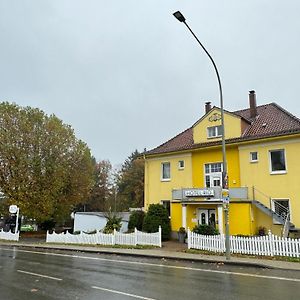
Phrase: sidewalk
(170, 250)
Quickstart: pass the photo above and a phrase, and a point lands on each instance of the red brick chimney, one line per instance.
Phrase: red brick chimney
(207, 107)
(252, 104)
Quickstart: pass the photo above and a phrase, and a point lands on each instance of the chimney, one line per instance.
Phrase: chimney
(207, 107)
(252, 103)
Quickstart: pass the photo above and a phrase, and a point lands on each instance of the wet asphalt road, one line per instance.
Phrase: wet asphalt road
(37, 274)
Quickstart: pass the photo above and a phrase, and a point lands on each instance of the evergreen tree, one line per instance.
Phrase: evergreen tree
(130, 182)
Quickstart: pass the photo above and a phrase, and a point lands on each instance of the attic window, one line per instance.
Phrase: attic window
(181, 164)
(214, 131)
(253, 157)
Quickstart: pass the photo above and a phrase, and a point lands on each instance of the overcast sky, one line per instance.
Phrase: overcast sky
(126, 75)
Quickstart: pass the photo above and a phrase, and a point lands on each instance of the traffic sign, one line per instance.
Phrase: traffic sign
(13, 209)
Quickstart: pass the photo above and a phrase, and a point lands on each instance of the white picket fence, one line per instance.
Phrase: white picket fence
(9, 236)
(99, 238)
(269, 245)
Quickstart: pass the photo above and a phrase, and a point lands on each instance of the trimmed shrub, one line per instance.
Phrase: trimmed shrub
(262, 231)
(113, 222)
(157, 215)
(136, 220)
(205, 229)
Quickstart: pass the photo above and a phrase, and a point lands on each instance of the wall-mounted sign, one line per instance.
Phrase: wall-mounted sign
(199, 193)
(13, 209)
(214, 117)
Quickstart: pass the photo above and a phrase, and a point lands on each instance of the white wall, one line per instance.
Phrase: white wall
(124, 227)
(88, 223)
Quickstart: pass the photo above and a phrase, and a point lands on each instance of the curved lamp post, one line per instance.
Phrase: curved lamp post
(179, 16)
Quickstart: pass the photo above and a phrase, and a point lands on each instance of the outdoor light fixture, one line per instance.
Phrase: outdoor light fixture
(179, 16)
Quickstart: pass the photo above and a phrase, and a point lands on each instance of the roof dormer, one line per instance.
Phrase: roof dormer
(209, 127)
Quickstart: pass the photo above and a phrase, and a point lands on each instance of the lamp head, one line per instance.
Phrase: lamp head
(179, 16)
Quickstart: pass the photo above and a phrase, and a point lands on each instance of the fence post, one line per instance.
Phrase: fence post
(135, 236)
(271, 241)
(114, 237)
(159, 233)
(189, 238)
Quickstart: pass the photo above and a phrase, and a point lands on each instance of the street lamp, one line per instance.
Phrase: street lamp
(180, 17)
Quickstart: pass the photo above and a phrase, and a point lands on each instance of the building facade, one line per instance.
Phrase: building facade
(262, 145)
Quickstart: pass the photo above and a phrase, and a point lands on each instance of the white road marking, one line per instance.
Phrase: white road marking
(39, 275)
(160, 265)
(121, 293)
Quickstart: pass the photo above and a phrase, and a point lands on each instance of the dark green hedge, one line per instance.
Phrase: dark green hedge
(157, 215)
(136, 220)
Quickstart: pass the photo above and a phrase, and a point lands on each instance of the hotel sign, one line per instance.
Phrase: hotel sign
(199, 193)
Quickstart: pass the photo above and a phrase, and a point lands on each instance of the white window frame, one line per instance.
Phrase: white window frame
(162, 171)
(213, 174)
(251, 157)
(270, 162)
(216, 132)
(181, 167)
(273, 207)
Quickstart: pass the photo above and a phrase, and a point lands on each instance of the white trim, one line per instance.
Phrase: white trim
(278, 172)
(179, 167)
(161, 171)
(210, 174)
(266, 144)
(270, 162)
(216, 131)
(253, 160)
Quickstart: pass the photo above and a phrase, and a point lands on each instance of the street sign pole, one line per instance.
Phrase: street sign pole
(17, 221)
(14, 209)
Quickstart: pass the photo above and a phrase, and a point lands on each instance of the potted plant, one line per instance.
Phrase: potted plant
(181, 234)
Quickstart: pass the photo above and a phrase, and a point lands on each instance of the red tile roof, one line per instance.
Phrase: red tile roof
(271, 120)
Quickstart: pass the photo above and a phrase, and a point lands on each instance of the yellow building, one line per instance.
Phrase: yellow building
(262, 144)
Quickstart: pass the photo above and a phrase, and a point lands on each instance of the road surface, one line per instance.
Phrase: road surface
(39, 274)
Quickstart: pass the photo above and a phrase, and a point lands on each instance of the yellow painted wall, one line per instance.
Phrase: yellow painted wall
(240, 219)
(176, 216)
(280, 186)
(204, 156)
(232, 124)
(156, 189)
(263, 220)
